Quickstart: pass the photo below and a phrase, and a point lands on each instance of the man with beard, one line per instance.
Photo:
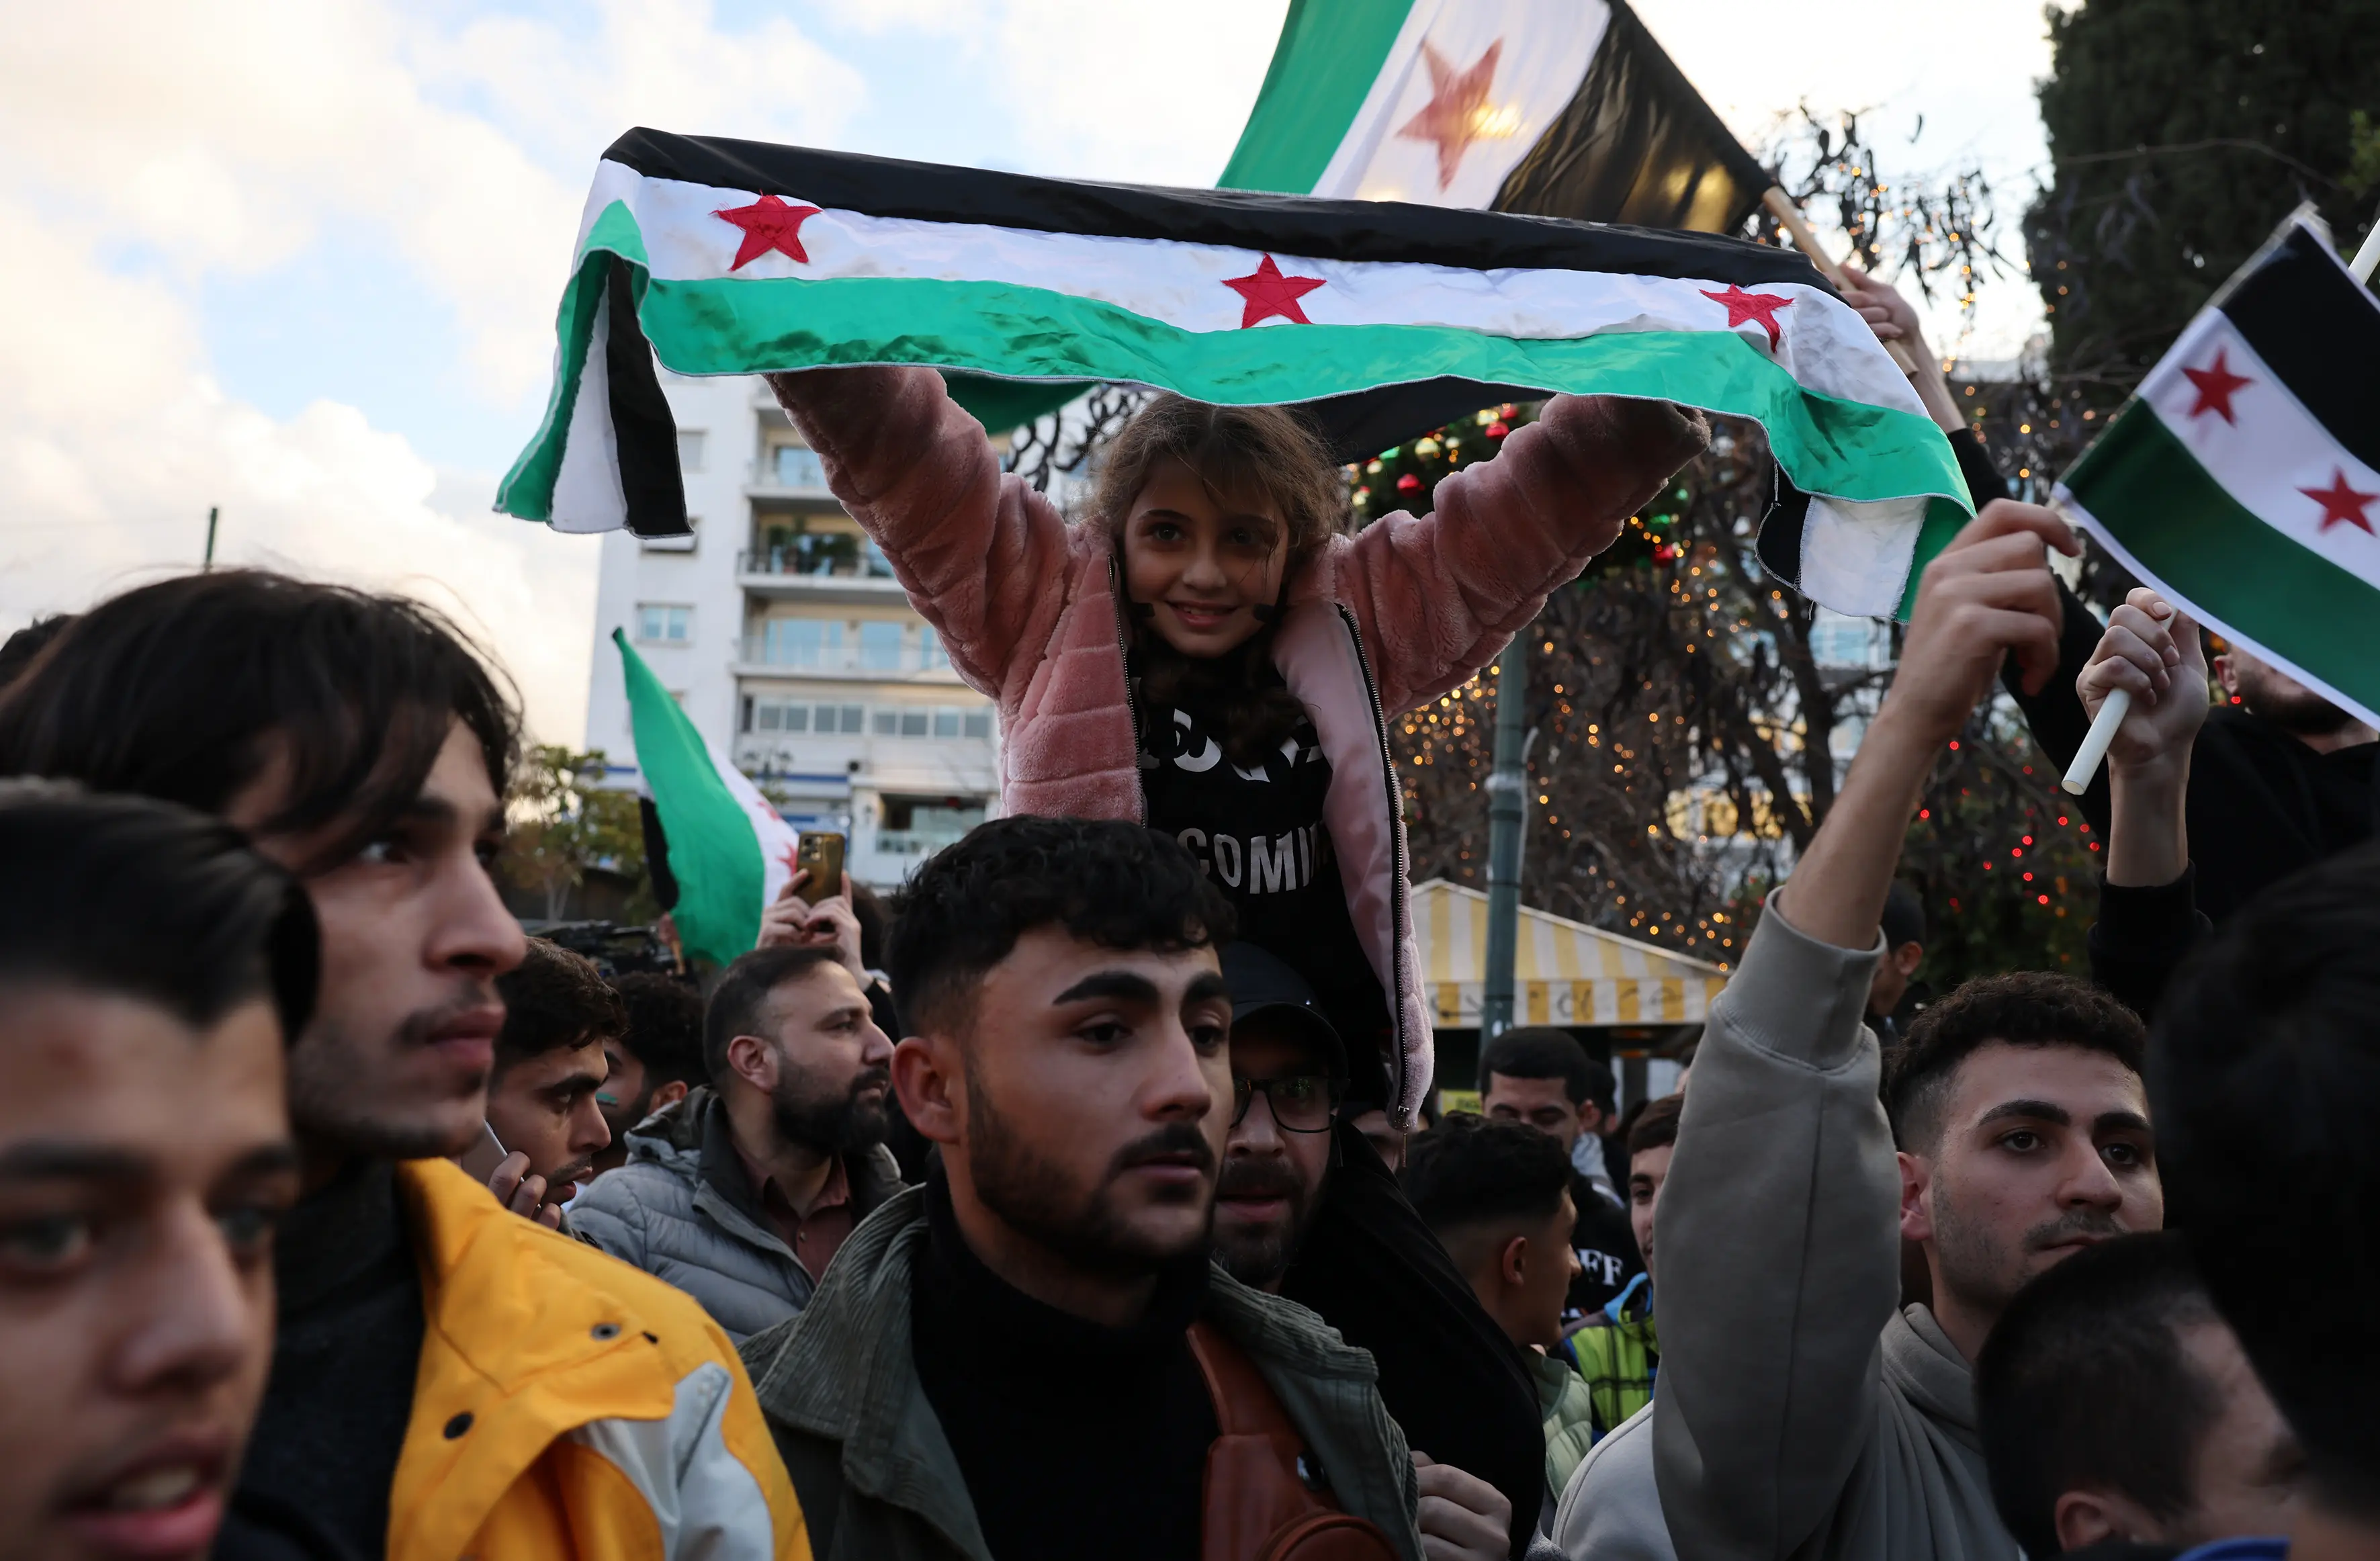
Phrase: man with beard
(741, 1194)
(1019, 1358)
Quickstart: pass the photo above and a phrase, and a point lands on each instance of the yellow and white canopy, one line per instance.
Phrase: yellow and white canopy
(1564, 971)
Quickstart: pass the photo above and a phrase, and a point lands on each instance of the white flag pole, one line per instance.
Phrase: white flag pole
(2367, 257)
(2095, 745)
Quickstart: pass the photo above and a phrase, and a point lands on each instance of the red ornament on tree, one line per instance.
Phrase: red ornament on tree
(1497, 430)
(1409, 484)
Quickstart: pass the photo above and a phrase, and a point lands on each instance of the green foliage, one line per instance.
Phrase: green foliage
(2180, 133)
(564, 824)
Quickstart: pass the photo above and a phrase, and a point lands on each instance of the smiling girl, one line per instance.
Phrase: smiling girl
(1209, 652)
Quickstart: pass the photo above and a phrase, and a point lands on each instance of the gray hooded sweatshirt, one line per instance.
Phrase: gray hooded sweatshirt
(1801, 1411)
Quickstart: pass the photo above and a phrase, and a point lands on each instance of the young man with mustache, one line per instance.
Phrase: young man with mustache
(447, 1378)
(1011, 1360)
(741, 1194)
(561, 1019)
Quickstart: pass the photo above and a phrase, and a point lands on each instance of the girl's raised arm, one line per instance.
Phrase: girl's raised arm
(1437, 596)
(982, 555)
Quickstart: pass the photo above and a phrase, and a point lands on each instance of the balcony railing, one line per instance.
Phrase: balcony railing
(790, 468)
(759, 650)
(912, 842)
(818, 558)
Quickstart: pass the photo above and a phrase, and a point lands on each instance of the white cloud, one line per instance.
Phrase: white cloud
(229, 139)
(116, 443)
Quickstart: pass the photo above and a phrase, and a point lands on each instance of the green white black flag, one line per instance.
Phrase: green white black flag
(1564, 108)
(2242, 480)
(1382, 320)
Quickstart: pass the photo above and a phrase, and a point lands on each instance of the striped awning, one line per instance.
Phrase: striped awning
(1564, 972)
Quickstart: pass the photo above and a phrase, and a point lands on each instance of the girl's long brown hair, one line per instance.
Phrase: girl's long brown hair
(1243, 455)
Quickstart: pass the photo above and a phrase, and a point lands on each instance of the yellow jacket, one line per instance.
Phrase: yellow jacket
(568, 1408)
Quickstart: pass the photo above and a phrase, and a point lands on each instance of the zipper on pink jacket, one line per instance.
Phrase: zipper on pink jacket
(1397, 846)
(1131, 702)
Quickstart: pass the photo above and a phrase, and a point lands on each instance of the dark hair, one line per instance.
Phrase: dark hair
(1103, 880)
(1238, 454)
(2266, 1085)
(19, 651)
(190, 688)
(1656, 1125)
(875, 925)
(735, 1002)
(129, 895)
(1469, 1171)
(554, 999)
(665, 1032)
(2084, 1386)
(1541, 1051)
(2022, 1008)
(1904, 916)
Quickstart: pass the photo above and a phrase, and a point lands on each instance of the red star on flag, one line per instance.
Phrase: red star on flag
(1269, 293)
(1743, 306)
(2341, 505)
(1457, 111)
(2216, 385)
(769, 223)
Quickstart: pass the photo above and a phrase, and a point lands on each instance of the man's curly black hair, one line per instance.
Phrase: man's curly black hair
(2022, 1008)
(1104, 881)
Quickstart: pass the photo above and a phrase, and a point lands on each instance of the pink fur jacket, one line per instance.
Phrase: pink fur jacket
(1377, 624)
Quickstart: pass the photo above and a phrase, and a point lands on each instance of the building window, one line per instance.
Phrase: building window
(798, 718)
(854, 720)
(661, 624)
(801, 642)
(888, 724)
(929, 647)
(689, 448)
(913, 723)
(946, 723)
(880, 646)
(977, 723)
(796, 467)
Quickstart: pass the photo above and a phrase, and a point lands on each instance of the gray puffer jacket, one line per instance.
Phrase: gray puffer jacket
(683, 1210)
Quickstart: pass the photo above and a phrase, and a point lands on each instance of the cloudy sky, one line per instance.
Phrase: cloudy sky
(300, 260)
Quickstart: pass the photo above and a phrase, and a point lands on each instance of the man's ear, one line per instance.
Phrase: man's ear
(1908, 957)
(1512, 1262)
(1916, 1210)
(924, 1077)
(753, 1060)
(669, 1094)
(2084, 1517)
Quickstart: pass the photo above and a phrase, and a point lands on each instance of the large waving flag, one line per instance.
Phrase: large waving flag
(2242, 480)
(729, 850)
(1564, 108)
(1382, 319)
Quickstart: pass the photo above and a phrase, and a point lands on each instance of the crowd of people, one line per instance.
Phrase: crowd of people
(1089, 1199)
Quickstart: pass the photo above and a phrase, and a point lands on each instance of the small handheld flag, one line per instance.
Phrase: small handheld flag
(2243, 479)
(729, 850)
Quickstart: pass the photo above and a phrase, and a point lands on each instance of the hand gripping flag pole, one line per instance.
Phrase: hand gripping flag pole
(2111, 714)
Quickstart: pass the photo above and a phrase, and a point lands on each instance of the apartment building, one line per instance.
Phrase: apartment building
(779, 629)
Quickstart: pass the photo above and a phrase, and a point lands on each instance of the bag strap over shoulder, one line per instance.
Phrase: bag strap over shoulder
(1265, 1498)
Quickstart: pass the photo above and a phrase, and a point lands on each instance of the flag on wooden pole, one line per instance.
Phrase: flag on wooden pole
(1563, 108)
(1383, 320)
(729, 850)
(2242, 480)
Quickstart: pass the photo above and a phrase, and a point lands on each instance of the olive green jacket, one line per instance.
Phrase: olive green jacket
(877, 1477)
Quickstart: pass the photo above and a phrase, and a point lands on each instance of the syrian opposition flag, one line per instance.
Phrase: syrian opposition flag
(1382, 320)
(727, 848)
(2242, 480)
(1564, 108)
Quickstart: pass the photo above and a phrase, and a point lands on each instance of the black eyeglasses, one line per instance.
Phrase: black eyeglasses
(1301, 1103)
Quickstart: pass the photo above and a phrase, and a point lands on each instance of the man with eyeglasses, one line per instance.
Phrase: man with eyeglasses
(1304, 1209)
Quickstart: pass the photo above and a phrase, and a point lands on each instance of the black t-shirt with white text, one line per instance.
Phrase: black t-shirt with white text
(1258, 832)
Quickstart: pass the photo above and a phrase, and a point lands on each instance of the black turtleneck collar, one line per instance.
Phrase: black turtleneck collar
(1075, 1439)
